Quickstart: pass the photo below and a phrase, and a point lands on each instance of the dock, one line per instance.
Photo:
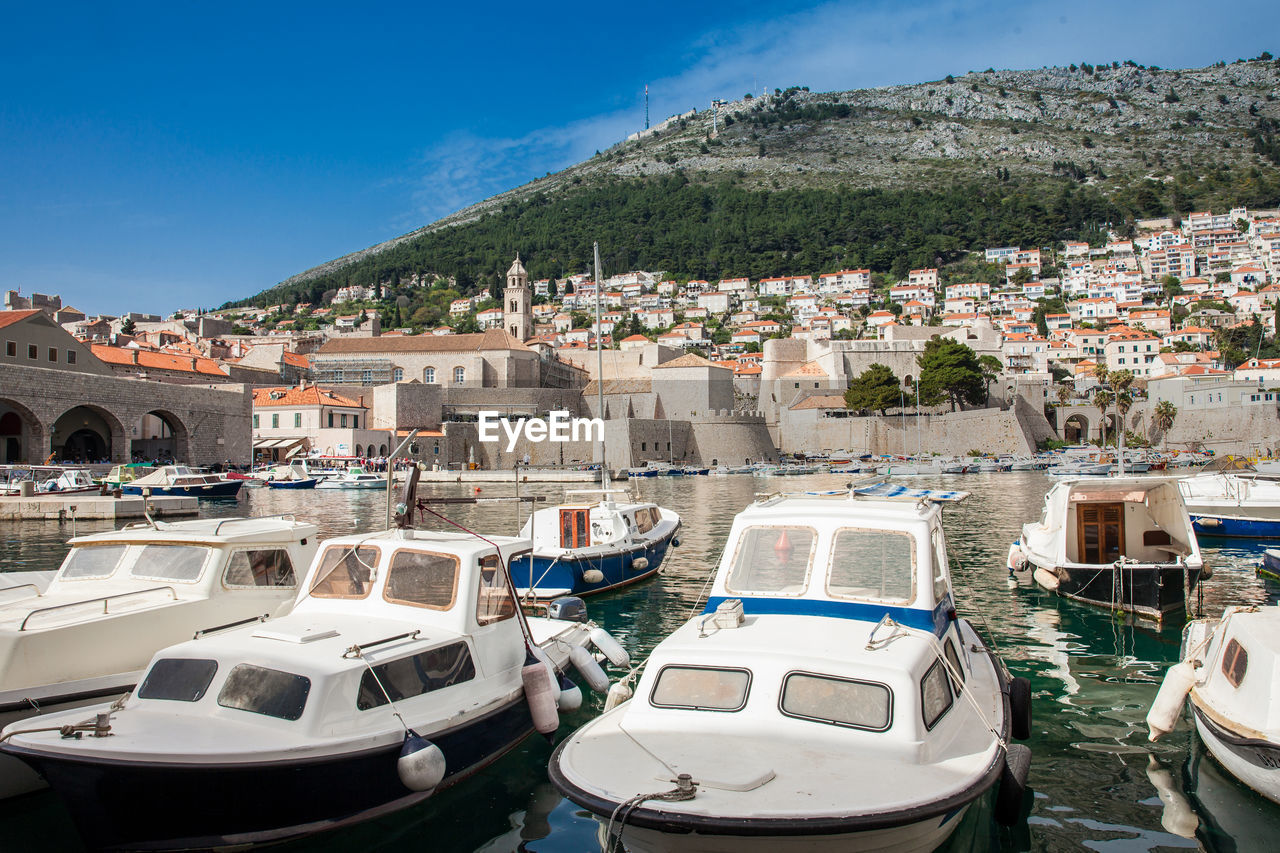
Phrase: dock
(86, 507)
(511, 475)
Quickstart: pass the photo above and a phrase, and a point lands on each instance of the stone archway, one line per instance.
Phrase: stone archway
(160, 435)
(1076, 428)
(22, 436)
(88, 434)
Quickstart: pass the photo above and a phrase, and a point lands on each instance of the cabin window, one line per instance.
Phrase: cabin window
(940, 564)
(92, 561)
(644, 521)
(953, 660)
(178, 679)
(495, 601)
(1100, 532)
(772, 559)
(878, 565)
(838, 701)
(264, 567)
(170, 562)
(701, 688)
(935, 694)
(422, 579)
(270, 692)
(345, 572)
(1235, 660)
(415, 675)
(573, 528)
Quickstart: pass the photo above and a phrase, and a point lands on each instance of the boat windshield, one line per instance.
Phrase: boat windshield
(873, 565)
(170, 562)
(422, 579)
(838, 701)
(92, 561)
(701, 688)
(345, 572)
(265, 691)
(773, 560)
(178, 679)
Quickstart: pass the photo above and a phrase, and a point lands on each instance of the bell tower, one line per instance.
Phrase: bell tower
(517, 316)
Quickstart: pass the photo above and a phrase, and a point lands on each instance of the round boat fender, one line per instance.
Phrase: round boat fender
(1013, 784)
(1208, 522)
(1206, 572)
(1020, 708)
(591, 671)
(552, 673)
(421, 764)
(592, 576)
(620, 692)
(1046, 579)
(1167, 707)
(675, 543)
(639, 564)
(570, 696)
(1017, 561)
(538, 686)
(609, 647)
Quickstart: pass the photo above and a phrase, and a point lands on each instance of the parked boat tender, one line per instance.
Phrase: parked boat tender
(828, 698)
(354, 478)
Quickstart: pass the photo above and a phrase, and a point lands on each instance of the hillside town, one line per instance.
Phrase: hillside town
(692, 370)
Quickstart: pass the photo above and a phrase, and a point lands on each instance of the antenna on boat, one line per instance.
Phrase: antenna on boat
(604, 465)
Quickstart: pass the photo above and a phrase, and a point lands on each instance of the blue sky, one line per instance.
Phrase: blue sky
(161, 156)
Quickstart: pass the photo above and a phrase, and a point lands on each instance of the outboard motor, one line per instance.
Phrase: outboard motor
(569, 608)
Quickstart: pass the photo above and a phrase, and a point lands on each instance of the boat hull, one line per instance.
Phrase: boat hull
(1254, 762)
(1230, 526)
(292, 484)
(342, 484)
(1144, 590)
(555, 575)
(224, 489)
(257, 802)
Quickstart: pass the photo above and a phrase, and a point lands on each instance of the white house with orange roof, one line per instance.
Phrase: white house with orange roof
(1092, 310)
(459, 307)
(959, 305)
(801, 283)
(716, 301)
(293, 420)
(978, 290)
(1155, 320)
(634, 342)
(834, 282)
(1246, 302)
(923, 278)
(904, 293)
(1025, 352)
(745, 336)
(1133, 351)
(774, 287)
(1057, 322)
(876, 319)
(1075, 250)
(734, 285)
(1252, 276)
(1258, 370)
(490, 318)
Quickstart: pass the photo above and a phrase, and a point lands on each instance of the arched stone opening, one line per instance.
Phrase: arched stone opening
(22, 439)
(1075, 430)
(88, 434)
(159, 435)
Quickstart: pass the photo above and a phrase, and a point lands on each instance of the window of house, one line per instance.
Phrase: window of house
(33, 352)
(415, 675)
(429, 375)
(11, 349)
(53, 354)
(397, 375)
(275, 421)
(422, 579)
(255, 421)
(366, 377)
(71, 356)
(331, 420)
(297, 419)
(459, 375)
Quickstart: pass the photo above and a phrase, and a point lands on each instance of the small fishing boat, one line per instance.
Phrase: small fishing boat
(120, 595)
(1229, 497)
(1228, 674)
(405, 666)
(354, 478)
(1123, 543)
(46, 479)
(592, 546)
(183, 481)
(292, 477)
(121, 474)
(827, 699)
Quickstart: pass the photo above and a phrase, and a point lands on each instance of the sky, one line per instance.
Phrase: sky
(164, 156)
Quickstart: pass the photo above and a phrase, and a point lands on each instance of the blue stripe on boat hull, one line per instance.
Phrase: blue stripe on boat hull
(565, 573)
(1245, 528)
(934, 621)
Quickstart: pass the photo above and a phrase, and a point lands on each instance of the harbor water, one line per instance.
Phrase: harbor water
(1097, 782)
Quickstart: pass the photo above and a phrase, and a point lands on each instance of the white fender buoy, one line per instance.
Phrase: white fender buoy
(542, 702)
(1046, 579)
(618, 694)
(591, 671)
(570, 696)
(609, 647)
(640, 563)
(421, 764)
(1167, 707)
(541, 655)
(592, 576)
(1177, 816)
(1017, 561)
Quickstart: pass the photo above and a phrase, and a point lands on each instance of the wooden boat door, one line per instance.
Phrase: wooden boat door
(573, 528)
(1100, 532)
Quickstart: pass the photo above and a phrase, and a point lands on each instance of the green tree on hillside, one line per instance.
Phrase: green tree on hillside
(991, 368)
(876, 389)
(949, 370)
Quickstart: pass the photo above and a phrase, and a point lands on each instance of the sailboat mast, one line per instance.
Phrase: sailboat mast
(604, 467)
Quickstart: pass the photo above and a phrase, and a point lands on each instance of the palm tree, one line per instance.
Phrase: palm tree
(1162, 418)
(1102, 399)
(1065, 393)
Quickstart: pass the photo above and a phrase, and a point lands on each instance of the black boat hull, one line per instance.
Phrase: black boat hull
(1146, 591)
(135, 805)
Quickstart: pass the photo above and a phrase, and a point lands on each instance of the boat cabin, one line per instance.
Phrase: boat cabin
(1140, 520)
(571, 527)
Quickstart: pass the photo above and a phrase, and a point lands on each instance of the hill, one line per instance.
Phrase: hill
(889, 178)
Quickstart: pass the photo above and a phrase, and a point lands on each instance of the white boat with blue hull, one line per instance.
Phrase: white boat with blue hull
(405, 666)
(828, 699)
(593, 546)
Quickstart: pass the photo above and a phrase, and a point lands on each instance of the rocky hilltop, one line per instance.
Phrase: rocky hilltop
(1109, 127)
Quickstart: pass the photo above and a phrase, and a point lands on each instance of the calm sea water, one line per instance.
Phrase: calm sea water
(1094, 774)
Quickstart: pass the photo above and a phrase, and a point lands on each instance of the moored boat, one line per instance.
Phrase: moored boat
(1123, 543)
(1229, 497)
(828, 698)
(182, 481)
(354, 478)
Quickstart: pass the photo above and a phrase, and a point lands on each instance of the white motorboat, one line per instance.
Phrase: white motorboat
(828, 698)
(1230, 498)
(182, 481)
(354, 478)
(88, 633)
(1122, 543)
(1228, 673)
(46, 479)
(592, 546)
(404, 667)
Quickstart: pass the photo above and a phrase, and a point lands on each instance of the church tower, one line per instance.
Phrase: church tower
(517, 316)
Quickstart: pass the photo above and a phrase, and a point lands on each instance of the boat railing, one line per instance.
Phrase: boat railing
(4, 589)
(288, 516)
(106, 600)
(238, 623)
